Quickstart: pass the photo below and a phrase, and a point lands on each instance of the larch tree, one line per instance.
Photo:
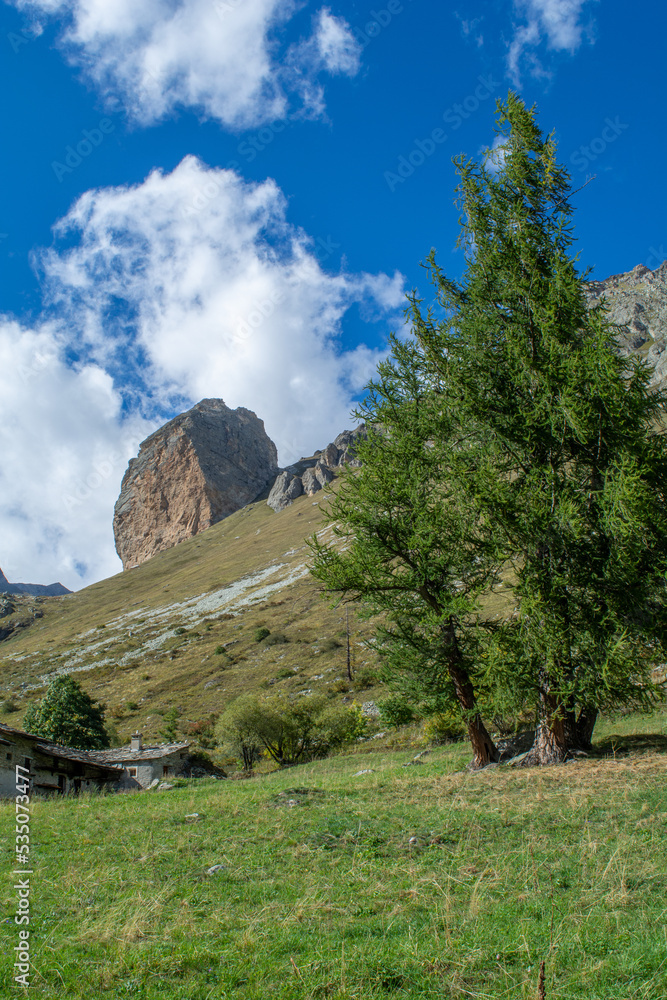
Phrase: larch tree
(507, 432)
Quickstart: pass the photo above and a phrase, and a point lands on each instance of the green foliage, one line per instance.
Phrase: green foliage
(443, 727)
(396, 711)
(578, 495)
(169, 731)
(181, 630)
(261, 633)
(509, 431)
(69, 716)
(288, 731)
(8, 706)
(131, 706)
(274, 639)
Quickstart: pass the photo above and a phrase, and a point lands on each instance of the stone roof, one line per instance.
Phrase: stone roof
(56, 750)
(128, 754)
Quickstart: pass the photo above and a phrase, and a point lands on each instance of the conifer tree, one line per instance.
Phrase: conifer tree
(411, 546)
(580, 493)
(508, 430)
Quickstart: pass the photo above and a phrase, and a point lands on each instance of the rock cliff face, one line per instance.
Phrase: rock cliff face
(312, 474)
(196, 470)
(34, 589)
(637, 302)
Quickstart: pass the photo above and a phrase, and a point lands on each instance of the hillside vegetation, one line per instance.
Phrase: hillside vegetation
(179, 631)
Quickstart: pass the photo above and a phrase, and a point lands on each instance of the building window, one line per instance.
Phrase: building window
(166, 771)
(9, 756)
(132, 771)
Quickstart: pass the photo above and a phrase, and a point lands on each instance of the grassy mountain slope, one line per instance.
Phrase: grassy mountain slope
(357, 878)
(145, 641)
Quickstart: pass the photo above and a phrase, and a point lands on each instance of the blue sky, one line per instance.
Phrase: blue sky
(231, 197)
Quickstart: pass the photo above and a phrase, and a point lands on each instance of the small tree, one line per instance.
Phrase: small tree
(67, 715)
(288, 731)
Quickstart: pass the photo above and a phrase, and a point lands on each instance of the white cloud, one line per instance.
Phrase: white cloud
(556, 23)
(337, 47)
(496, 153)
(65, 447)
(188, 285)
(219, 57)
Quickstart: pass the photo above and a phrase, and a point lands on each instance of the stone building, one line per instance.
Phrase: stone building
(54, 769)
(143, 765)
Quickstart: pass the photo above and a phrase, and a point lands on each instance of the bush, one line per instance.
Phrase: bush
(395, 711)
(283, 673)
(261, 633)
(444, 727)
(364, 678)
(181, 630)
(132, 706)
(275, 639)
(203, 730)
(9, 705)
(220, 651)
(288, 732)
(328, 645)
(170, 730)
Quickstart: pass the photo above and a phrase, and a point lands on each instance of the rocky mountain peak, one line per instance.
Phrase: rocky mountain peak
(194, 471)
(636, 301)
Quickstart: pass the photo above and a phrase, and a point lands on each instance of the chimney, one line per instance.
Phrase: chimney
(135, 743)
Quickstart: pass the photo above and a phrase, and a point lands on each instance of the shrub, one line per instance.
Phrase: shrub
(170, 730)
(180, 630)
(328, 645)
(274, 639)
(132, 706)
(220, 651)
(364, 678)
(444, 727)
(288, 732)
(395, 711)
(9, 705)
(261, 633)
(283, 673)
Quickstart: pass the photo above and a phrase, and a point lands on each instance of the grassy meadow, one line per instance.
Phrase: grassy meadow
(411, 881)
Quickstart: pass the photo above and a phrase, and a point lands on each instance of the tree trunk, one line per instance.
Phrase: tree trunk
(555, 733)
(585, 726)
(484, 749)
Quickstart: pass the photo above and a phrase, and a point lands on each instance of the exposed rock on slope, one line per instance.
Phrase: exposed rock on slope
(196, 470)
(34, 589)
(311, 474)
(637, 302)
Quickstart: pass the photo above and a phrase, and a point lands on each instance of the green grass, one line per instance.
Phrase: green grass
(410, 882)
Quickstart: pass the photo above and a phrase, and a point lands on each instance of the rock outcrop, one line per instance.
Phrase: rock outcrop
(312, 474)
(196, 470)
(637, 302)
(33, 589)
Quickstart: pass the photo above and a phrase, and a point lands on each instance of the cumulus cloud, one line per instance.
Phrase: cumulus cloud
(558, 24)
(65, 445)
(220, 57)
(189, 285)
